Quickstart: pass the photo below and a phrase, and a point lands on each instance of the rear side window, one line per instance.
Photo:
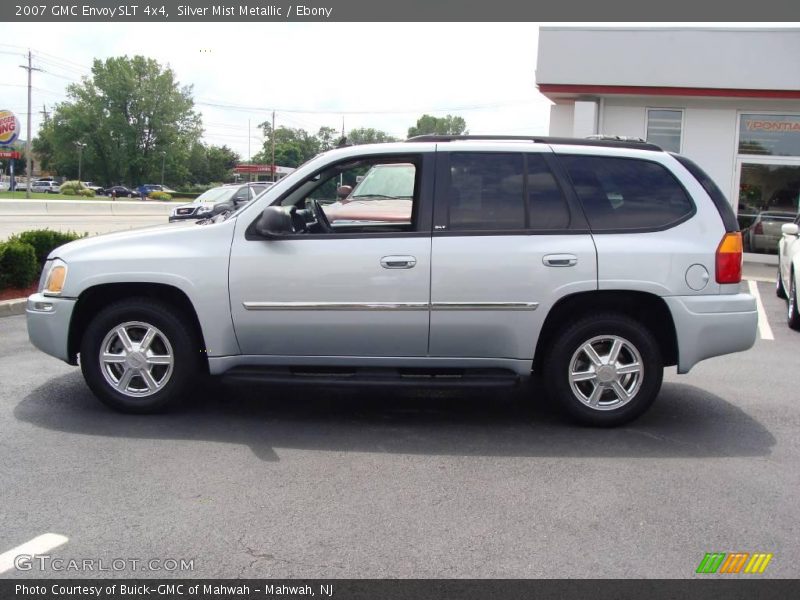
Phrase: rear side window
(493, 191)
(717, 197)
(627, 193)
(486, 191)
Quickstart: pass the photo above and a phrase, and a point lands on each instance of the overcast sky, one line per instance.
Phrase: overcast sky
(371, 74)
(381, 75)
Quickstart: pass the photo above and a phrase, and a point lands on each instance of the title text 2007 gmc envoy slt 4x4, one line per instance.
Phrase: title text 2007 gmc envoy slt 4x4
(442, 260)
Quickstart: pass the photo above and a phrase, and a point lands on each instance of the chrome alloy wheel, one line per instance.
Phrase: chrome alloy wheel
(606, 372)
(136, 359)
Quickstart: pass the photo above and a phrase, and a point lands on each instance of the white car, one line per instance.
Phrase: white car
(789, 270)
(45, 187)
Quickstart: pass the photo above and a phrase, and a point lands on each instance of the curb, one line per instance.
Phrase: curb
(10, 308)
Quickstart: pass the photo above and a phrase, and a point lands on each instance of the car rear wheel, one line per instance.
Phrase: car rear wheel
(139, 356)
(792, 315)
(604, 370)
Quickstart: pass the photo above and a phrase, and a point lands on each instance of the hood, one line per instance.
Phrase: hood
(155, 234)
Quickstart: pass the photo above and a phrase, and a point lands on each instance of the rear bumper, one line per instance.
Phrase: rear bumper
(48, 321)
(709, 326)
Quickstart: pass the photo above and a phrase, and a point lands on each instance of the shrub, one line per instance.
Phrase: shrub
(71, 188)
(18, 267)
(160, 196)
(86, 193)
(44, 241)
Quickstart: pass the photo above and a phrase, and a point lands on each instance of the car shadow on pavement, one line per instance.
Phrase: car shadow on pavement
(685, 421)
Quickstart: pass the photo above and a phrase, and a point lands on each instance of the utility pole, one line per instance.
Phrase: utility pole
(80, 146)
(30, 68)
(273, 147)
(249, 174)
(44, 113)
(163, 163)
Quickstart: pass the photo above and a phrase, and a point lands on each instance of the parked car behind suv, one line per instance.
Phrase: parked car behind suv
(45, 187)
(590, 263)
(217, 200)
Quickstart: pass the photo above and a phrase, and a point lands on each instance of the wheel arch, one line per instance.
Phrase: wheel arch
(95, 298)
(647, 308)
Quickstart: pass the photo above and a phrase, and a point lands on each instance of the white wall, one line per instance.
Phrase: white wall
(561, 119)
(670, 57)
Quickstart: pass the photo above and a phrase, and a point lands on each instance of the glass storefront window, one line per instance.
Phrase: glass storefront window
(769, 196)
(773, 135)
(664, 128)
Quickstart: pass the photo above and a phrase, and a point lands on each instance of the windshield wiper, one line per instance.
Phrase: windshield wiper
(380, 196)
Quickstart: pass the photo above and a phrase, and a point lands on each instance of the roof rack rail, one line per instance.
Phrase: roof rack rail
(602, 141)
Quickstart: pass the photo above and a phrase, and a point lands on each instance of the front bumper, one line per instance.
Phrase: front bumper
(712, 325)
(48, 321)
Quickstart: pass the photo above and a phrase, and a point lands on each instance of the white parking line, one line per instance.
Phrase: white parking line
(763, 324)
(38, 545)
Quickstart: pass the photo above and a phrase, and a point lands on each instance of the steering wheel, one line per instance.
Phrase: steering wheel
(320, 217)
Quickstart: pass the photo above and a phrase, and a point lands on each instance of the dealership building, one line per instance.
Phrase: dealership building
(727, 98)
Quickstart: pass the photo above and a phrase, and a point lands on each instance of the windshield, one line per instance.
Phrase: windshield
(219, 194)
(387, 181)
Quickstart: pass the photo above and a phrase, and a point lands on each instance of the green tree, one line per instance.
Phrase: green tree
(428, 124)
(133, 116)
(293, 147)
(364, 135)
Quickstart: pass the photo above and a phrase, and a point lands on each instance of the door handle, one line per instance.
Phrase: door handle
(560, 260)
(398, 262)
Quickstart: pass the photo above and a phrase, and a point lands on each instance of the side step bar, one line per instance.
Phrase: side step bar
(371, 376)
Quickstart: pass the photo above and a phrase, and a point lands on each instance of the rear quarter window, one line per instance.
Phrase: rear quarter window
(627, 193)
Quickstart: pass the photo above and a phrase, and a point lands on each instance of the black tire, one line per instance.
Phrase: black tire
(174, 338)
(792, 315)
(600, 330)
(780, 291)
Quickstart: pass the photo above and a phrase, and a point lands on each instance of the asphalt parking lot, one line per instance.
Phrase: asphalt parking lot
(307, 482)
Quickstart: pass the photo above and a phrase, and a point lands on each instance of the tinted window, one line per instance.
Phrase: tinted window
(547, 208)
(486, 191)
(624, 193)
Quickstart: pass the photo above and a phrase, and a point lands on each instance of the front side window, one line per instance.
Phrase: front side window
(368, 195)
(627, 193)
(664, 128)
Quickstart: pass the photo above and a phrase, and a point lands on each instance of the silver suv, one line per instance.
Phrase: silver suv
(591, 263)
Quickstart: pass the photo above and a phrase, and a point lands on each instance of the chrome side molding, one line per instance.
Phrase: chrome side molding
(438, 306)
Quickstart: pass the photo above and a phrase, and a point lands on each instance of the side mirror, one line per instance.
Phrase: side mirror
(343, 191)
(789, 229)
(274, 222)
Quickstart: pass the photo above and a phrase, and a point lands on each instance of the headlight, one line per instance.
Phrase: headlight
(53, 278)
(205, 211)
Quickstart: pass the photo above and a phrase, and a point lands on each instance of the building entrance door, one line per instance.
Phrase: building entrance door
(768, 196)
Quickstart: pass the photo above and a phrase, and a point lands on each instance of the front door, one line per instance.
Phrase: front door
(360, 286)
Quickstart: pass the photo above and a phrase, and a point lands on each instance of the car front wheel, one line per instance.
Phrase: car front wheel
(604, 370)
(780, 291)
(792, 314)
(139, 356)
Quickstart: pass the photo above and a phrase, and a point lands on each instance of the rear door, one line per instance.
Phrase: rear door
(508, 242)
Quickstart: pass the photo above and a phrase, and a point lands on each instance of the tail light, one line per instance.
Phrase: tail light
(729, 258)
(759, 228)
